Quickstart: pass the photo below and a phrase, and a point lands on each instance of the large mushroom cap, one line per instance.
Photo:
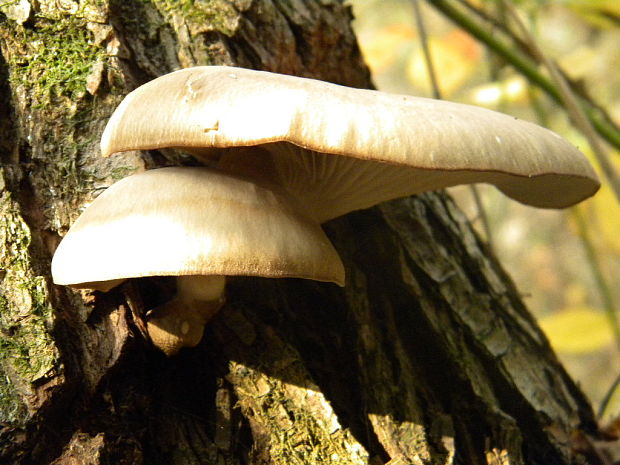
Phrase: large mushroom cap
(192, 221)
(410, 143)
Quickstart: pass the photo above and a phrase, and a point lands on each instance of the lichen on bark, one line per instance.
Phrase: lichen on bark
(28, 353)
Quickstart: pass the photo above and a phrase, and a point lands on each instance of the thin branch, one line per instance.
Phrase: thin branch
(606, 128)
(482, 215)
(609, 395)
(430, 67)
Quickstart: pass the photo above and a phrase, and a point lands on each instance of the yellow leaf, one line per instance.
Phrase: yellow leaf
(577, 330)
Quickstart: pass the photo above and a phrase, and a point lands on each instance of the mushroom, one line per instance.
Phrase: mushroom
(200, 226)
(338, 149)
(321, 149)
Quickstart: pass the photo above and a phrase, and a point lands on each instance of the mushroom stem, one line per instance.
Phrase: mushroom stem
(180, 322)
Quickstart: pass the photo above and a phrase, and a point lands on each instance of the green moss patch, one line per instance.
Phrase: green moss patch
(57, 59)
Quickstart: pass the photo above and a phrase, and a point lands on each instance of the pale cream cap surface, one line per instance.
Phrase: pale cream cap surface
(414, 139)
(192, 221)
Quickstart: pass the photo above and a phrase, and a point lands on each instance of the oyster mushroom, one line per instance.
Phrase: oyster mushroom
(323, 150)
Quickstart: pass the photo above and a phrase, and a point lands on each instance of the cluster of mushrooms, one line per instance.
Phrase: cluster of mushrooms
(282, 155)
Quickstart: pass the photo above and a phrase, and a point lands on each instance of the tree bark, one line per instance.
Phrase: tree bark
(427, 356)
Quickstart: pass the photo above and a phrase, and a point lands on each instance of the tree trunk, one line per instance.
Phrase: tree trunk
(427, 356)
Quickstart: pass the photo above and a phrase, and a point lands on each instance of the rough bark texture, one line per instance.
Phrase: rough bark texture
(428, 356)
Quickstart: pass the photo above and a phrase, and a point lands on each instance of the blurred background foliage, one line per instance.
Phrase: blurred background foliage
(565, 263)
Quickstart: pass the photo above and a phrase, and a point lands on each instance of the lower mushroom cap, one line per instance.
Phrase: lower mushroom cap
(192, 221)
